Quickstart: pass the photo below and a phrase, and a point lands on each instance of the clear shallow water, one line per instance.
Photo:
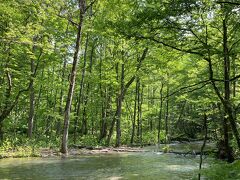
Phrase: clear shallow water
(149, 165)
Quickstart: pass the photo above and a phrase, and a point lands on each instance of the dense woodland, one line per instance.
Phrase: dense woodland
(119, 72)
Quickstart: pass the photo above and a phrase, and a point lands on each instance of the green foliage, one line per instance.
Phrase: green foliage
(223, 171)
(27, 149)
(88, 140)
(150, 138)
(166, 149)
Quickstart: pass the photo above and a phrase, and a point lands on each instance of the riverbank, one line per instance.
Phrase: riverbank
(183, 148)
(91, 150)
(73, 151)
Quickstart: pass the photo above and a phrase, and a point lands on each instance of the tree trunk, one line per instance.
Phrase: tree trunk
(119, 110)
(80, 92)
(1, 133)
(134, 112)
(166, 116)
(160, 112)
(58, 131)
(32, 102)
(84, 128)
(105, 113)
(228, 109)
(203, 145)
(103, 124)
(140, 114)
(64, 148)
(152, 105)
(227, 83)
(124, 92)
(62, 74)
(138, 111)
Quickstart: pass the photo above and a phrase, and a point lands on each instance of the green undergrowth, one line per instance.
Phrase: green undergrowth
(19, 151)
(23, 148)
(223, 171)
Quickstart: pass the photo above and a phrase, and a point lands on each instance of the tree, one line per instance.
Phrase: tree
(82, 8)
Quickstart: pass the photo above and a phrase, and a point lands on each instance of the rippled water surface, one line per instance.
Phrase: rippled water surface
(148, 165)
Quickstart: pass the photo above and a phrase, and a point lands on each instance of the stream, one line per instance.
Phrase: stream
(141, 165)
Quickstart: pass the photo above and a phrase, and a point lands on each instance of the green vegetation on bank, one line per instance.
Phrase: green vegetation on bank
(223, 171)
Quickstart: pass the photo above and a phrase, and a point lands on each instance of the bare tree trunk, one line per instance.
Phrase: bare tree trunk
(64, 148)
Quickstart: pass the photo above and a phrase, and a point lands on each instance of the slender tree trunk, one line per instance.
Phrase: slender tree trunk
(228, 109)
(140, 114)
(105, 107)
(203, 145)
(124, 92)
(61, 112)
(226, 90)
(111, 129)
(61, 99)
(234, 85)
(80, 91)
(32, 102)
(227, 82)
(152, 105)
(1, 133)
(64, 148)
(160, 112)
(116, 112)
(166, 116)
(227, 106)
(84, 128)
(138, 111)
(134, 112)
(103, 124)
(149, 104)
(119, 109)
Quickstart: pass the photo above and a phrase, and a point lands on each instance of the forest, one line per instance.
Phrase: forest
(92, 74)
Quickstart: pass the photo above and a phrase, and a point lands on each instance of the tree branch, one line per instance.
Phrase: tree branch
(68, 19)
(171, 46)
(138, 67)
(235, 78)
(205, 82)
(227, 2)
(90, 5)
(9, 84)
